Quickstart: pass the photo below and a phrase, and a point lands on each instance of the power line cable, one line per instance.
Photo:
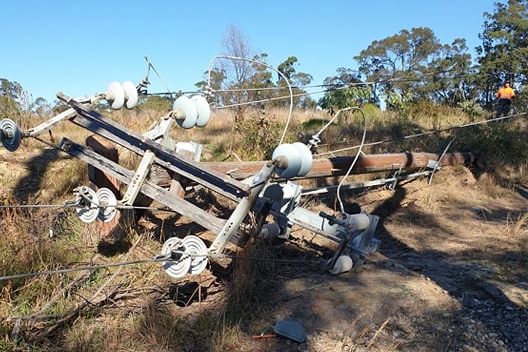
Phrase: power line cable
(82, 268)
(355, 159)
(416, 135)
(288, 120)
(157, 259)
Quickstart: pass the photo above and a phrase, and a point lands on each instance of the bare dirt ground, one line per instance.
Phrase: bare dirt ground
(450, 275)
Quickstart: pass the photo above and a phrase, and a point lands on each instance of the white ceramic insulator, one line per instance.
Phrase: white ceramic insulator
(306, 158)
(357, 221)
(292, 160)
(175, 269)
(108, 204)
(89, 212)
(115, 95)
(203, 109)
(185, 112)
(343, 264)
(10, 135)
(197, 248)
(131, 95)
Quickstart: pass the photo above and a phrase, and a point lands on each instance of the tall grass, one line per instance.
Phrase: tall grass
(36, 240)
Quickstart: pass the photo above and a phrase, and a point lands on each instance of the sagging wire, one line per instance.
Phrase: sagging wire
(495, 120)
(75, 205)
(266, 65)
(174, 256)
(315, 139)
(146, 81)
(355, 158)
(81, 268)
(209, 92)
(334, 87)
(283, 97)
(337, 86)
(263, 100)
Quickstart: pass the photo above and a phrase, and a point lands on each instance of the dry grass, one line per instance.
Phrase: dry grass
(133, 311)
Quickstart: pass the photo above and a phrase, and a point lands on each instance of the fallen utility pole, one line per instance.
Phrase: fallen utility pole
(265, 199)
(338, 166)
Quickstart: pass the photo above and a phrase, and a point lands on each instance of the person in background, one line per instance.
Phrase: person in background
(504, 96)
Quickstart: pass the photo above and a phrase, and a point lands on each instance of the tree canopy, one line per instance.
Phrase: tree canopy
(504, 50)
(413, 65)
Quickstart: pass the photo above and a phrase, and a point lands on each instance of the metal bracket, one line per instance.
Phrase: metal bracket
(396, 178)
(160, 129)
(137, 181)
(437, 165)
(235, 220)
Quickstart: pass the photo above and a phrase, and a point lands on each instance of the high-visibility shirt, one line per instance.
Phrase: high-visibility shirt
(505, 93)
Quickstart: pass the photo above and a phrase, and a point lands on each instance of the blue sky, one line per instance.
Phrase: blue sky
(78, 48)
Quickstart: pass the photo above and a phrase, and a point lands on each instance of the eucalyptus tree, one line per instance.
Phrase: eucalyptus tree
(344, 90)
(296, 81)
(12, 98)
(408, 66)
(41, 107)
(449, 75)
(504, 50)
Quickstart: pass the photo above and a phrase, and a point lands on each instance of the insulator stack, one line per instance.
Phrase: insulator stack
(191, 112)
(10, 135)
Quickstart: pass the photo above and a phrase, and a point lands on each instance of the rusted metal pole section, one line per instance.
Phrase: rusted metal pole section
(338, 166)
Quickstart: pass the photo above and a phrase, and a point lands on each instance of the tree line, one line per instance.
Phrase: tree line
(405, 69)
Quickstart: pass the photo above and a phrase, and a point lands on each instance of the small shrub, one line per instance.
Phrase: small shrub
(260, 136)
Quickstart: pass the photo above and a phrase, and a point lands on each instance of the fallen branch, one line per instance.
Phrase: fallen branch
(378, 332)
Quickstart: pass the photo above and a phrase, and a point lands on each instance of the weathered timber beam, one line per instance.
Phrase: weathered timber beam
(338, 166)
(180, 205)
(166, 158)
